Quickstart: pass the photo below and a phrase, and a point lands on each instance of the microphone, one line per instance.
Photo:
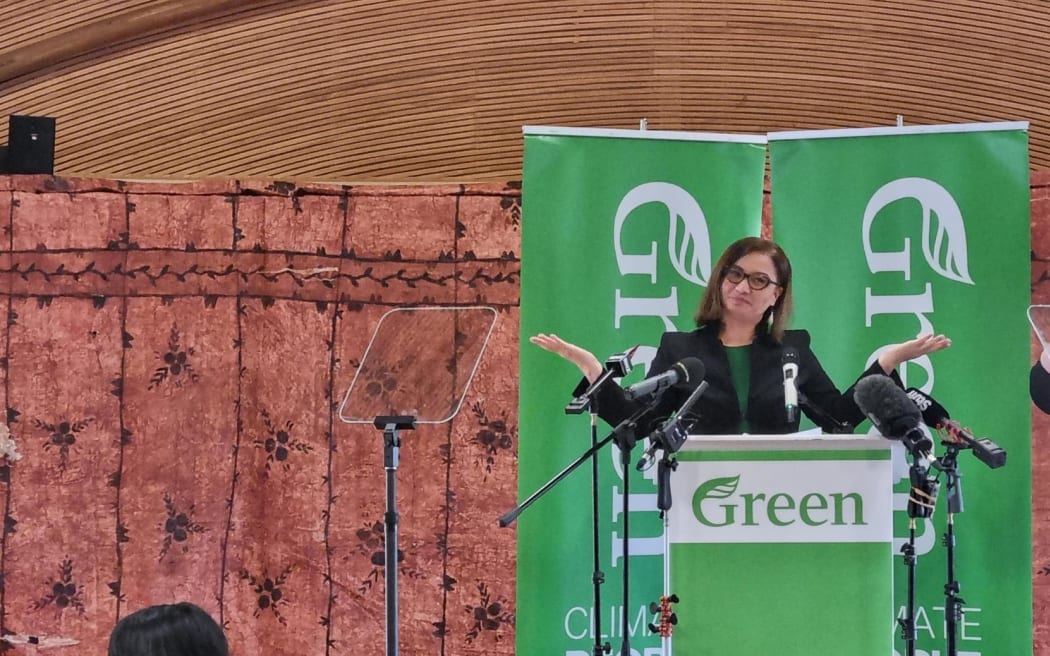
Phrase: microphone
(789, 361)
(892, 412)
(620, 363)
(670, 436)
(935, 416)
(673, 433)
(617, 366)
(684, 371)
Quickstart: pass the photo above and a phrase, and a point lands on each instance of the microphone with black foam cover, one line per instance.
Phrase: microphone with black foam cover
(687, 370)
(934, 415)
(892, 412)
(789, 361)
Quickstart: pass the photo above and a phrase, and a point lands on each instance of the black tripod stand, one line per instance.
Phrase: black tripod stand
(597, 575)
(990, 454)
(948, 464)
(920, 505)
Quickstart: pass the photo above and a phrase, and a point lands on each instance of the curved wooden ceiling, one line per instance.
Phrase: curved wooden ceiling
(437, 90)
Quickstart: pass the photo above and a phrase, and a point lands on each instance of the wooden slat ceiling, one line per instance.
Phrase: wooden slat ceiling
(437, 90)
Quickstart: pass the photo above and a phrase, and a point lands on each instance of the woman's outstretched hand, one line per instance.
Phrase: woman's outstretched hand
(895, 354)
(581, 357)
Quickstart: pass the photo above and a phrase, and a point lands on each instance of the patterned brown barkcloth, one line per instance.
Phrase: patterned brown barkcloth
(173, 359)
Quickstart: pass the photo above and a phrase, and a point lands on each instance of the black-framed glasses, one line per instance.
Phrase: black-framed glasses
(756, 281)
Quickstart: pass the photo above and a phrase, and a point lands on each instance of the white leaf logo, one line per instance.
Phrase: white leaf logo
(688, 240)
(717, 488)
(943, 229)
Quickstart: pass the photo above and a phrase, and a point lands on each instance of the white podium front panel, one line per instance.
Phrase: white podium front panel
(782, 545)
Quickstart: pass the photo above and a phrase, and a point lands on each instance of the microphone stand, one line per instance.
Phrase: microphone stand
(953, 611)
(597, 575)
(625, 436)
(907, 623)
(617, 366)
(664, 467)
(669, 437)
(626, 443)
(921, 501)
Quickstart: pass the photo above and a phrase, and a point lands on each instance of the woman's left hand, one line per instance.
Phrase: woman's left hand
(895, 354)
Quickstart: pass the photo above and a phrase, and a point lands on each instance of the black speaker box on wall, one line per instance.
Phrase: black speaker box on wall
(30, 144)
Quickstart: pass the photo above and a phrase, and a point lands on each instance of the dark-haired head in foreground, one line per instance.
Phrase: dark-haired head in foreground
(181, 629)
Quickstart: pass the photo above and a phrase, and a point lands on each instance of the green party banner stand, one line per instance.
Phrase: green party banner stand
(782, 545)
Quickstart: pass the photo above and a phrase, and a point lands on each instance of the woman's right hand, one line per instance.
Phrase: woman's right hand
(581, 357)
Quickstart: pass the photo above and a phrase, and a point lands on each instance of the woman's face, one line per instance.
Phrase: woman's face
(743, 303)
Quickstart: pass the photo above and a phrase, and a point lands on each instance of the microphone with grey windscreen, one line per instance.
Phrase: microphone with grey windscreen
(894, 415)
(684, 371)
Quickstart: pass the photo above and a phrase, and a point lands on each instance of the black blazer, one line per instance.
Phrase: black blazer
(717, 412)
(1039, 387)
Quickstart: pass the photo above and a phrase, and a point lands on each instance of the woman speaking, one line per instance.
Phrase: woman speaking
(742, 340)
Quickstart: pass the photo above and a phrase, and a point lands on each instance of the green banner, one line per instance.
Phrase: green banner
(620, 231)
(893, 232)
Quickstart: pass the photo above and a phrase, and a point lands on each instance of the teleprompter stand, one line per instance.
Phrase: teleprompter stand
(416, 370)
(391, 425)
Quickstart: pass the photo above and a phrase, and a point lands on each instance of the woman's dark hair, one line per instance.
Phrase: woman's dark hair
(181, 629)
(774, 321)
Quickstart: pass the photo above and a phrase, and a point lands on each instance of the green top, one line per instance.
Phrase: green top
(740, 370)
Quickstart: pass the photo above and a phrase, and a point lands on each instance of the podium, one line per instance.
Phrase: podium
(782, 545)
